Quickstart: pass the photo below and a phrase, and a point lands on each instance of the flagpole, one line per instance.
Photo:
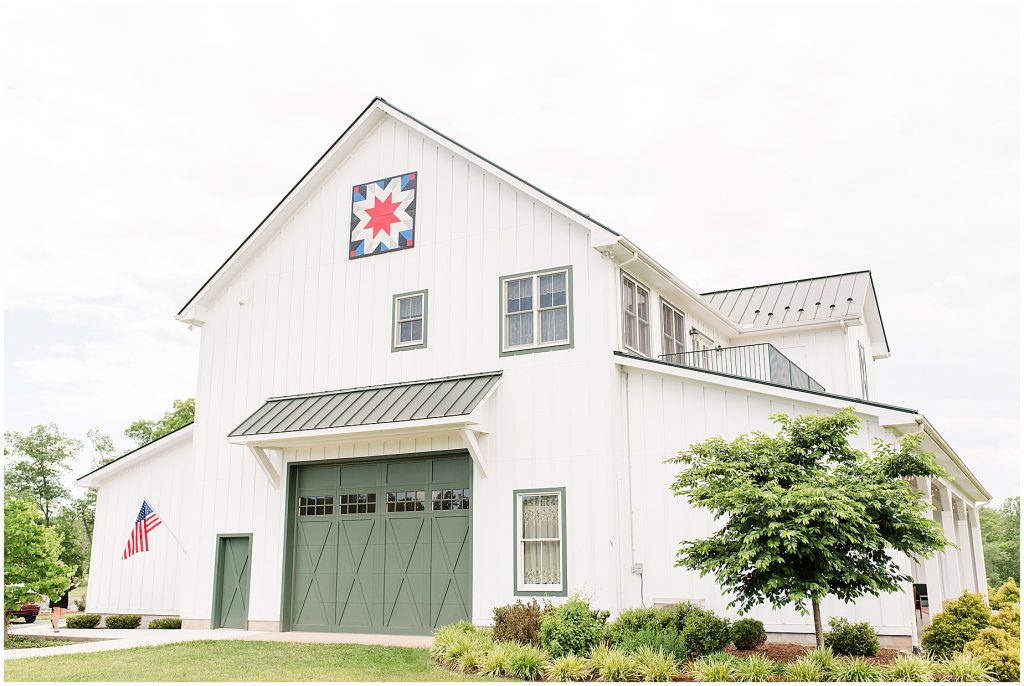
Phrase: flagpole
(164, 522)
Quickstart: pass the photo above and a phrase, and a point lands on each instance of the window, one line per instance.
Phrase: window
(450, 499)
(863, 371)
(673, 330)
(536, 311)
(540, 542)
(405, 501)
(357, 503)
(636, 328)
(409, 329)
(310, 505)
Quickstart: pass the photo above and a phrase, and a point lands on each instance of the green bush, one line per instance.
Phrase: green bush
(1007, 619)
(910, 668)
(519, 622)
(1008, 594)
(754, 668)
(667, 641)
(849, 638)
(964, 667)
(80, 603)
(568, 668)
(526, 662)
(705, 632)
(655, 664)
(856, 669)
(496, 661)
(446, 636)
(955, 626)
(122, 621)
(571, 628)
(748, 634)
(681, 611)
(710, 668)
(166, 623)
(804, 669)
(999, 650)
(83, 621)
(612, 665)
(639, 619)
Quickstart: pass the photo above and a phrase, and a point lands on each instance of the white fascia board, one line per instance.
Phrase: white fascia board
(94, 478)
(886, 415)
(952, 461)
(291, 439)
(810, 325)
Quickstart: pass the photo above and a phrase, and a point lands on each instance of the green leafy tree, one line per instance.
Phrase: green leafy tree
(36, 464)
(103, 449)
(807, 515)
(1000, 535)
(32, 566)
(145, 431)
(74, 549)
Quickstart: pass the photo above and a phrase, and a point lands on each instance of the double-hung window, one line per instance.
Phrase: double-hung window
(636, 316)
(409, 328)
(673, 330)
(536, 311)
(540, 542)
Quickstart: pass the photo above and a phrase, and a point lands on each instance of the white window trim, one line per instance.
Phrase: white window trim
(521, 586)
(622, 312)
(536, 309)
(681, 340)
(396, 325)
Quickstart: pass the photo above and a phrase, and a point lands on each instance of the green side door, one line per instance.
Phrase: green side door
(231, 603)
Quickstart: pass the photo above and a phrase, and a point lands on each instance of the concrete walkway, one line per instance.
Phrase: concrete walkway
(97, 640)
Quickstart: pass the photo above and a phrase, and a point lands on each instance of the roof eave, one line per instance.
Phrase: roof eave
(96, 476)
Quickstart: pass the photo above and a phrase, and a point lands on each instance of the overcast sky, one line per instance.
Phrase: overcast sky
(737, 145)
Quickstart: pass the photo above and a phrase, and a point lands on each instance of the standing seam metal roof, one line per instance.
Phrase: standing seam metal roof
(430, 399)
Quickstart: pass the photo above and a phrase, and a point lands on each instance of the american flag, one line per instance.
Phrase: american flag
(138, 542)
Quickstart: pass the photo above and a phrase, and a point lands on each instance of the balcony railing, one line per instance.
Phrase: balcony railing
(761, 362)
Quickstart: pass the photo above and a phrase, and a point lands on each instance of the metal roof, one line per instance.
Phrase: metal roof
(430, 399)
(789, 302)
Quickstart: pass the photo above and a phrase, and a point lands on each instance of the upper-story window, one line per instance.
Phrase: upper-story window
(409, 328)
(636, 315)
(700, 341)
(673, 330)
(863, 371)
(536, 311)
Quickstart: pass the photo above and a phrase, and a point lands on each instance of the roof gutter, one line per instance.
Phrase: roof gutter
(933, 434)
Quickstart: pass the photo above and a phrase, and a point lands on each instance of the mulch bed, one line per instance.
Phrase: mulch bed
(788, 652)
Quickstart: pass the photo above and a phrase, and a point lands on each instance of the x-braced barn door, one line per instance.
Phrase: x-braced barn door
(231, 599)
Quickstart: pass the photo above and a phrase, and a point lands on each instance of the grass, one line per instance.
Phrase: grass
(238, 661)
(13, 642)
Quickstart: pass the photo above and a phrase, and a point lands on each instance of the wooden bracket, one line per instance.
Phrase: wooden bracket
(269, 468)
(469, 435)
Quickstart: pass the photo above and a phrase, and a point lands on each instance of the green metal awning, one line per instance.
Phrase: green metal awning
(402, 402)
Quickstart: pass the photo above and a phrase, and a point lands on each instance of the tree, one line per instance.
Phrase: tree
(807, 515)
(1000, 535)
(103, 450)
(74, 549)
(32, 567)
(85, 512)
(145, 431)
(38, 461)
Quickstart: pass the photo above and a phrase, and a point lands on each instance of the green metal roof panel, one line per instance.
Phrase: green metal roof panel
(453, 396)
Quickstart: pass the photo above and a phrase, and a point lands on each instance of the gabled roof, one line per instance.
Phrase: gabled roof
(349, 137)
(138, 454)
(815, 299)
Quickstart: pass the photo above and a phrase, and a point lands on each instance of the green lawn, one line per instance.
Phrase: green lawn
(14, 642)
(238, 661)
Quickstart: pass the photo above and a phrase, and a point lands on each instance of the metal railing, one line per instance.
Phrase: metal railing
(761, 362)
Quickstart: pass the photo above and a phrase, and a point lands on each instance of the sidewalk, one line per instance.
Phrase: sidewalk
(97, 640)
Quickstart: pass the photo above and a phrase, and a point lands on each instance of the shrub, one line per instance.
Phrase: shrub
(1007, 594)
(754, 668)
(655, 665)
(526, 662)
(519, 622)
(849, 638)
(166, 623)
(804, 669)
(999, 650)
(824, 658)
(640, 619)
(496, 661)
(680, 611)
(955, 626)
(80, 604)
(571, 628)
(568, 668)
(471, 660)
(667, 641)
(910, 668)
(83, 621)
(857, 669)
(748, 634)
(717, 667)
(123, 621)
(446, 636)
(705, 632)
(1007, 619)
(964, 667)
(612, 665)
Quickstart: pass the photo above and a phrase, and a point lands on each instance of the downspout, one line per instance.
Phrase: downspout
(634, 568)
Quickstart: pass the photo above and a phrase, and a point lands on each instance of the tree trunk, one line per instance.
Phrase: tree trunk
(819, 633)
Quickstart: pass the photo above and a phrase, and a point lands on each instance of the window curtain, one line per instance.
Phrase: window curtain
(542, 559)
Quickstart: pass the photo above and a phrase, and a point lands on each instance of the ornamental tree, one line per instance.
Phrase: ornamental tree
(32, 566)
(805, 514)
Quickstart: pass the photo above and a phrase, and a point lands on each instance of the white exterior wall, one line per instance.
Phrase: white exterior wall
(147, 583)
(314, 320)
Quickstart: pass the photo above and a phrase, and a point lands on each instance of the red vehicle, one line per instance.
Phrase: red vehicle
(29, 611)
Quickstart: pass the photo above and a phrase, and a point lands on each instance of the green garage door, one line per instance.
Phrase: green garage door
(382, 547)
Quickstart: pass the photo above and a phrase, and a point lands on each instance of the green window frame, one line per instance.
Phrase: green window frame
(397, 320)
(536, 301)
(521, 542)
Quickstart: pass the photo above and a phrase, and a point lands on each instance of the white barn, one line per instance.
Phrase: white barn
(427, 387)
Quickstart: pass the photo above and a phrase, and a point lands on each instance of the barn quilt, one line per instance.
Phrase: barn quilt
(383, 216)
